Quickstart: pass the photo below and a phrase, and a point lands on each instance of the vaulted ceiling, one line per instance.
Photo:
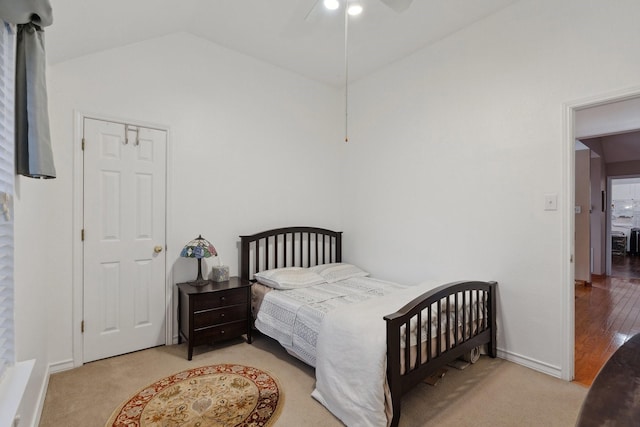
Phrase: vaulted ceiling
(297, 35)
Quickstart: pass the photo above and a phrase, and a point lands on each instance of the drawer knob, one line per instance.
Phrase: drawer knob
(222, 332)
(222, 315)
(222, 298)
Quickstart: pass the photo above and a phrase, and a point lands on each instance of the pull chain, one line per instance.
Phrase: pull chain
(346, 75)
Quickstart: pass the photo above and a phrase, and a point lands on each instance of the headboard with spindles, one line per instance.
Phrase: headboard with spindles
(288, 247)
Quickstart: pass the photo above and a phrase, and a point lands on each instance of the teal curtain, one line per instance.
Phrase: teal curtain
(34, 156)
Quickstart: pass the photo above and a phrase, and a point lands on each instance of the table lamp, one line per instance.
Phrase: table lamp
(199, 248)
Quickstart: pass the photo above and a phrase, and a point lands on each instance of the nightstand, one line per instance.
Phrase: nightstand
(214, 312)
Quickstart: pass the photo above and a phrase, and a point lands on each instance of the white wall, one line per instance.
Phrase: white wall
(625, 197)
(252, 147)
(625, 188)
(453, 149)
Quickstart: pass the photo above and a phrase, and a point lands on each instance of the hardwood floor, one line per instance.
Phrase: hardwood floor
(607, 315)
(625, 266)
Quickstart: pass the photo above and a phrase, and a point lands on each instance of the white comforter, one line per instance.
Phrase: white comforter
(293, 317)
(351, 358)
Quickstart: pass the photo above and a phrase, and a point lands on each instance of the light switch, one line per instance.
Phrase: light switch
(578, 209)
(550, 202)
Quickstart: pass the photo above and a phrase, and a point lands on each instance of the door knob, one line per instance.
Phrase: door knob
(157, 249)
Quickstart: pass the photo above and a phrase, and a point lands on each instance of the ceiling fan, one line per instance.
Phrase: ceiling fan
(398, 5)
(354, 7)
(351, 8)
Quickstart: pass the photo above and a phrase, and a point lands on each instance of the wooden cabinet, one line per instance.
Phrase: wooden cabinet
(214, 312)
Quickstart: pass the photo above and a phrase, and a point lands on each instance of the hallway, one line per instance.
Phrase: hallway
(606, 315)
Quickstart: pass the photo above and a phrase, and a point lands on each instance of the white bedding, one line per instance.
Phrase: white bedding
(293, 317)
(345, 343)
(351, 354)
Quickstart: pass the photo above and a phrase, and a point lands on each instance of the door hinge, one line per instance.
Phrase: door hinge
(82, 327)
(82, 144)
(82, 235)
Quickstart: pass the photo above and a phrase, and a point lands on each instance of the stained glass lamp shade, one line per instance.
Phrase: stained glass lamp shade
(199, 248)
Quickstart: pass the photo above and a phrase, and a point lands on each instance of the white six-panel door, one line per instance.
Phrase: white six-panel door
(124, 238)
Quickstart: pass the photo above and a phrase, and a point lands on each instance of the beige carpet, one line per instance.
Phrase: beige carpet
(492, 392)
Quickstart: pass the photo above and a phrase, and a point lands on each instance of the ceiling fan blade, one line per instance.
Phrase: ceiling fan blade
(303, 19)
(312, 11)
(398, 5)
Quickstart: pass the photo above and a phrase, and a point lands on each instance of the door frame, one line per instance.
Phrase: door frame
(78, 221)
(568, 250)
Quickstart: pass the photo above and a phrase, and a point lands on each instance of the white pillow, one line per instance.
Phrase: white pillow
(289, 278)
(338, 271)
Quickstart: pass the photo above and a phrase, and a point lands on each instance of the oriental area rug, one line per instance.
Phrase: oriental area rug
(217, 395)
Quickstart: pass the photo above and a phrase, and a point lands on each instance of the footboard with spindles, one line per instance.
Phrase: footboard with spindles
(454, 319)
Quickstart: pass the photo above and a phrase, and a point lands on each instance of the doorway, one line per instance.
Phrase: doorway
(122, 283)
(594, 120)
(625, 227)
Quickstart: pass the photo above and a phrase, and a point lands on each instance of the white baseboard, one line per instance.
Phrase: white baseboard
(61, 366)
(53, 368)
(536, 365)
(35, 422)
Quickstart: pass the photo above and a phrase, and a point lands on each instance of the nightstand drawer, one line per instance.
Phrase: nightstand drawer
(202, 319)
(220, 299)
(221, 332)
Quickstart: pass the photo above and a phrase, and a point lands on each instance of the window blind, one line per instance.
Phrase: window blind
(7, 69)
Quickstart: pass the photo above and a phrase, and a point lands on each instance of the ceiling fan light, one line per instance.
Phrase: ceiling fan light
(331, 4)
(355, 8)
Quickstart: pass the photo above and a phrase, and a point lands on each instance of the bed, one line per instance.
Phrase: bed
(368, 340)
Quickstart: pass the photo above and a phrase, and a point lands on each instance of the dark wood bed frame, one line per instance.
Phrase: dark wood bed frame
(309, 246)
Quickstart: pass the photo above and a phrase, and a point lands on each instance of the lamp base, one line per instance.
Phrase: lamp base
(199, 282)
